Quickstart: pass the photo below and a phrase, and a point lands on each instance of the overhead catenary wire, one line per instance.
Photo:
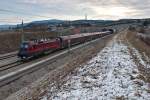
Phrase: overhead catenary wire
(23, 13)
(18, 13)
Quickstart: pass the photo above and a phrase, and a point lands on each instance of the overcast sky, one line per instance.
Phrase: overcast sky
(13, 11)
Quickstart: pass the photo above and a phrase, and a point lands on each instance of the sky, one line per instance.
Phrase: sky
(14, 11)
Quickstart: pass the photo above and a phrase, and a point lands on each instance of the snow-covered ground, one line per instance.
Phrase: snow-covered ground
(111, 75)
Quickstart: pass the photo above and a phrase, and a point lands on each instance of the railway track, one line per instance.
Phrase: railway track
(8, 55)
(6, 63)
(10, 65)
(9, 77)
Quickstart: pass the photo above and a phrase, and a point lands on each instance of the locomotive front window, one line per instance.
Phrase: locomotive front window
(24, 46)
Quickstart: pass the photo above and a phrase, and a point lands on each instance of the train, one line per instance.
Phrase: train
(30, 49)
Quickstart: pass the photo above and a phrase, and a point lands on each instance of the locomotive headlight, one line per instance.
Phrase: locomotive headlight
(26, 46)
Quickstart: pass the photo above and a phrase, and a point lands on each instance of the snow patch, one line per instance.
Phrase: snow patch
(110, 75)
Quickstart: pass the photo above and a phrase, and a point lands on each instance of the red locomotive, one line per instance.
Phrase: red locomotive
(30, 49)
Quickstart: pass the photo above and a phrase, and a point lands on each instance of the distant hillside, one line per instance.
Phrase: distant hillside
(47, 24)
(52, 21)
(7, 27)
(63, 23)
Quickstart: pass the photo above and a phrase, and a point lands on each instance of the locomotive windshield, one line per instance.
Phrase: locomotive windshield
(24, 46)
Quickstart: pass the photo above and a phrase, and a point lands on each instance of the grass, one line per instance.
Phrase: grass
(138, 43)
(145, 38)
(143, 48)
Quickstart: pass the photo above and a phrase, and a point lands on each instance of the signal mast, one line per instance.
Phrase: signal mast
(22, 35)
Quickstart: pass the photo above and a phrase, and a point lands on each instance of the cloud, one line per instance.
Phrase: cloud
(76, 9)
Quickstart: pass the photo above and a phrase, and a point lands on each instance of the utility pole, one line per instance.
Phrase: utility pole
(85, 16)
(22, 35)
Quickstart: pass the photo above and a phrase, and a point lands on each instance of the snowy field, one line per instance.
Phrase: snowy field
(111, 75)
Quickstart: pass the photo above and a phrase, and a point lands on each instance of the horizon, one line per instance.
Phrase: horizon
(68, 20)
(14, 11)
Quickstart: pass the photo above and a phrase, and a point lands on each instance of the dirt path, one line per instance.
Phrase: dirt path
(112, 75)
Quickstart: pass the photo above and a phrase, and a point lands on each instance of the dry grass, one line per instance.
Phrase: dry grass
(9, 43)
(138, 43)
(145, 38)
(143, 49)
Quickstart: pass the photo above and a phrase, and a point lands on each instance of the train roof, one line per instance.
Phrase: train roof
(81, 35)
(41, 41)
(36, 42)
